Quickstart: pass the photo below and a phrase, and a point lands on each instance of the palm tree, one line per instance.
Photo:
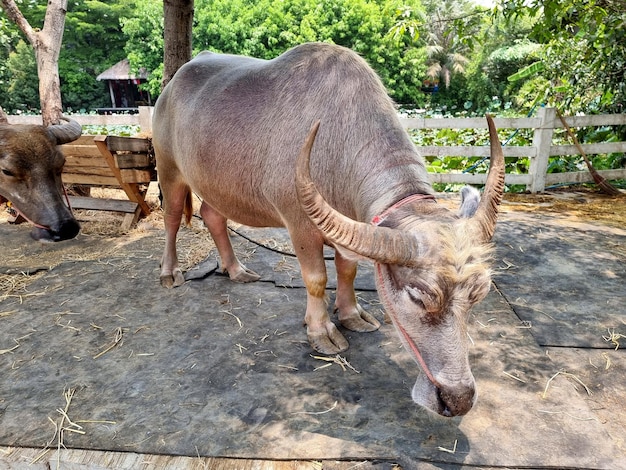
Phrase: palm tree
(444, 49)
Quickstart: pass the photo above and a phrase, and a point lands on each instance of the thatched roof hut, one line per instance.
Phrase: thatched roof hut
(124, 87)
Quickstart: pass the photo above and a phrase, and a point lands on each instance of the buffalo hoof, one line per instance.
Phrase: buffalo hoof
(174, 279)
(328, 340)
(240, 273)
(359, 320)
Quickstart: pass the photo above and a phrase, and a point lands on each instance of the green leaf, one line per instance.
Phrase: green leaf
(527, 72)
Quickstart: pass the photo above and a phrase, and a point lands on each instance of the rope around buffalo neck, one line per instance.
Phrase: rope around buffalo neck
(377, 220)
(405, 335)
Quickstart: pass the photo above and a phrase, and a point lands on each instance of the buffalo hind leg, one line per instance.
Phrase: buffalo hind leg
(351, 315)
(174, 199)
(216, 223)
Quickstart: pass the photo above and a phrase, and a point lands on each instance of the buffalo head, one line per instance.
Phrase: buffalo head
(431, 268)
(30, 176)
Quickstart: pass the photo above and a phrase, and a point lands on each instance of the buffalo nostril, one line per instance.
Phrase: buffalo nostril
(69, 230)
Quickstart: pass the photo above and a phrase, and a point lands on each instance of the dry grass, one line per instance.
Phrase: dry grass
(582, 204)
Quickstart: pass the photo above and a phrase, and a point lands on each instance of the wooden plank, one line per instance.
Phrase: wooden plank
(85, 161)
(593, 120)
(70, 150)
(129, 144)
(89, 170)
(132, 160)
(590, 149)
(131, 190)
(469, 123)
(101, 204)
(136, 176)
(519, 151)
(467, 178)
(93, 180)
(583, 176)
(85, 139)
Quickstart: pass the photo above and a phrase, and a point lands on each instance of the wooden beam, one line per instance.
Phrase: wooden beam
(131, 190)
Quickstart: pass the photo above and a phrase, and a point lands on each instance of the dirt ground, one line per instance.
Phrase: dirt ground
(514, 346)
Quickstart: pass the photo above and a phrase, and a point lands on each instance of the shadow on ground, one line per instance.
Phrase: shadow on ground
(215, 368)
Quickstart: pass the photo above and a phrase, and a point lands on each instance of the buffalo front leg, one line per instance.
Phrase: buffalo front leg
(322, 333)
(173, 204)
(217, 225)
(351, 315)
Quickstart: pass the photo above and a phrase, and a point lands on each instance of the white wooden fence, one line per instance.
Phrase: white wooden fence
(541, 149)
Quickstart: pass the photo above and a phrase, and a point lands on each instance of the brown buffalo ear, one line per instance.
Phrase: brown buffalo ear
(487, 211)
(64, 133)
(381, 244)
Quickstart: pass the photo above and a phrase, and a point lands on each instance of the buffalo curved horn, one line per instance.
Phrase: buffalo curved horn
(381, 244)
(64, 133)
(487, 212)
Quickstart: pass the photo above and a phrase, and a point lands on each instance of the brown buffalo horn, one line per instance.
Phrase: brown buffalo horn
(487, 213)
(64, 133)
(380, 244)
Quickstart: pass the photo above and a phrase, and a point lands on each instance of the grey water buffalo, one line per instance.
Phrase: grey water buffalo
(30, 176)
(242, 134)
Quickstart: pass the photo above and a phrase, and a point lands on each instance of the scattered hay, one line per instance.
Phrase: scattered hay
(16, 285)
(64, 425)
(117, 341)
(339, 360)
(567, 375)
(449, 451)
(613, 338)
(316, 412)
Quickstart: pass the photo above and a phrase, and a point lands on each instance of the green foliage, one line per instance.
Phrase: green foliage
(92, 42)
(23, 86)
(144, 47)
(267, 28)
(584, 51)
(121, 131)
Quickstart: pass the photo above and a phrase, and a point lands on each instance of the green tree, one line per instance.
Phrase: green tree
(267, 28)
(93, 42)
(445, 50)
(144, 47)
(583, 54)
(23, 87)
(504, 48)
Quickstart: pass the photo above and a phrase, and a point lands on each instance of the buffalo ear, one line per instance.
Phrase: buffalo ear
(470, 198)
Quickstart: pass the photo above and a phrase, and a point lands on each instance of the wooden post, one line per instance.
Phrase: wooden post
(542, 141)
(131, 190)
(145, 119)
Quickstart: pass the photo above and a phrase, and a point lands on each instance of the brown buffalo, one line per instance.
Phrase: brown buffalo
(230, 129)
(30, 176)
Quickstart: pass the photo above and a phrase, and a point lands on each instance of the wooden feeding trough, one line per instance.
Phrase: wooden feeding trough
(126, 163)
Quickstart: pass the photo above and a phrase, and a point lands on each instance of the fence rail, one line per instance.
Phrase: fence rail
(536, 180)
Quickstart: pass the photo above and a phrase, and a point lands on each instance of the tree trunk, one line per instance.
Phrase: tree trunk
(47, 46)
(178, 25)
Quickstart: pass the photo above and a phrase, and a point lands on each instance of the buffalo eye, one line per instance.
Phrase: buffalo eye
(416, 296)
(7, 172)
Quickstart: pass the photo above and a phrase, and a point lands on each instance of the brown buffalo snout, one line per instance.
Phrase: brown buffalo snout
(65, 230)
